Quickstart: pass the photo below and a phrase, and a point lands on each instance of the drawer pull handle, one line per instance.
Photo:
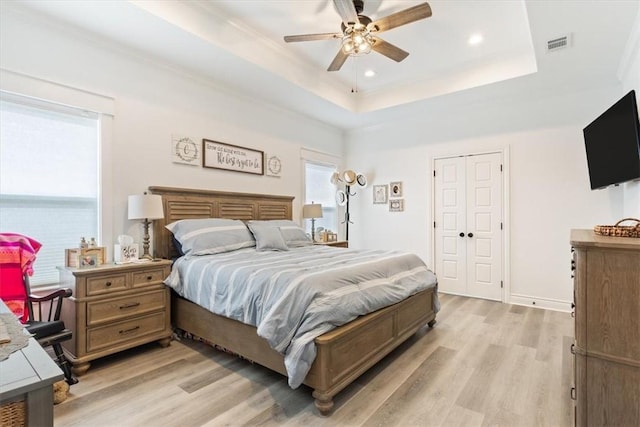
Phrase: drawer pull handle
(149, 277)
(131, 304)
(573, 349)
(573, 393)
(126, 331)
(573, 314)
(108, 284)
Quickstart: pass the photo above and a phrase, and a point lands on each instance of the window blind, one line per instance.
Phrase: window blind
(49, 175)
(318, 189)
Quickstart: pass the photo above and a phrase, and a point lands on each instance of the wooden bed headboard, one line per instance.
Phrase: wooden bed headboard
(185, 203)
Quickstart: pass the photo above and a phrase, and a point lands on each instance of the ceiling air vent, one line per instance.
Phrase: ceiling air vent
(558, 43)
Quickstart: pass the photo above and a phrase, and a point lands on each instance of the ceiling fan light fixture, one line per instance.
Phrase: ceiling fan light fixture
(347, 45)
(356, 40)
(360, 35)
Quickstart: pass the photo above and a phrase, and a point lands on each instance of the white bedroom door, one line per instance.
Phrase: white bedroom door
(468, 225)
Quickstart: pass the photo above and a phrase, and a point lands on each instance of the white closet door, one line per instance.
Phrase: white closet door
(484, 217)
(451, 257)
(468, 234)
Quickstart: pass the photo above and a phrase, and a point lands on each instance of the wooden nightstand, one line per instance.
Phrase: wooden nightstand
(338, 244)
(113, 308)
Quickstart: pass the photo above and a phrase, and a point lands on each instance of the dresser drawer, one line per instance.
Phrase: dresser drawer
(102, 337)
(104, 284)
(120, 308)
(143, 278)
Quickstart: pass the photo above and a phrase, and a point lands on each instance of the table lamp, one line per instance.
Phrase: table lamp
(313, 211)
(147, 207)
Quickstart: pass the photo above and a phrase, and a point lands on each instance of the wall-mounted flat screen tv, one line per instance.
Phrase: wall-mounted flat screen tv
(612, 142)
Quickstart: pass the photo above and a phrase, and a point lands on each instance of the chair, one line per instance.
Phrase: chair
(39, 313)
(45, 324)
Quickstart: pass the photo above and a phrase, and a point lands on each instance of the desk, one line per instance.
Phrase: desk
(28, 375)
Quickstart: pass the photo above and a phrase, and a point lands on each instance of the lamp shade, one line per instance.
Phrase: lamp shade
(313, 210)
(147, 206)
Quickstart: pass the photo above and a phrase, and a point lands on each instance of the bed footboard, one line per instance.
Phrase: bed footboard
(348, 351)
(343, 354)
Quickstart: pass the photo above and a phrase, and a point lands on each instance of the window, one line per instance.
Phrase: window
(318, 189)
(49, 178)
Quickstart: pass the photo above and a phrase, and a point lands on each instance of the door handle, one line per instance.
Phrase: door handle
(470, 235)
(461, 234)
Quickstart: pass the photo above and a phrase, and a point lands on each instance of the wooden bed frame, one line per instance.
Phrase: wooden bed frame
(343, 354)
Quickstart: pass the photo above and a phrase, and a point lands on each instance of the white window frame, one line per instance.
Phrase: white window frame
(32, 89)
(322, 159)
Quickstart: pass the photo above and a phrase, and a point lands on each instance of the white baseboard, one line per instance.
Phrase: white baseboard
(535, 302)
(548, 304)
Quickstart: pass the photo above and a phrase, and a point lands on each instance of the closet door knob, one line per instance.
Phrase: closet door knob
(470, 235)
(461, 234)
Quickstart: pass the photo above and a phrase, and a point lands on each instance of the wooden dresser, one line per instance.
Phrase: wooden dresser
(607, 329)
(113, 308)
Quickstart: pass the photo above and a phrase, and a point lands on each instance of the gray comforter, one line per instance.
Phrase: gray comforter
(293, 297)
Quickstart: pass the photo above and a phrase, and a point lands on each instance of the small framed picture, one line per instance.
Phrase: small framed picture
(87, 261)
(395, 189)
(396, 205)
(380, 194)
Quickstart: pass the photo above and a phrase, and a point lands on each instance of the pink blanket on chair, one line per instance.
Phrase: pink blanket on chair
(17, 255)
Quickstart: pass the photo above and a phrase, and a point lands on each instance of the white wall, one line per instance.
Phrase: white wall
(549, 184)
(629, 74)
(152, 102)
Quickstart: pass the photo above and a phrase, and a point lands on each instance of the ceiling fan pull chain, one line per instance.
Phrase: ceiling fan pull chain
(355, 67)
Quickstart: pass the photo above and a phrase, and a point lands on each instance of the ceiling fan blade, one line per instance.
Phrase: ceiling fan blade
(347, 11)
(403, 17)
(338, 61)
(311, 37)
(389, 50)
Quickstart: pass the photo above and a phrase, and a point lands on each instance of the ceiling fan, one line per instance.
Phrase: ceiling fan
(360, 34)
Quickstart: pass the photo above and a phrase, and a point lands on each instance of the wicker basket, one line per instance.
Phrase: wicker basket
(618, 230)
(12, 414)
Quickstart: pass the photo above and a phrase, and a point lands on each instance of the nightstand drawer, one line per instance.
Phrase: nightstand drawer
(148, 276)
(118, 333)
(104, 284)
(120, 308)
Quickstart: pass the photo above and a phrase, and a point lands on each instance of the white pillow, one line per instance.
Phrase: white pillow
(211, 235)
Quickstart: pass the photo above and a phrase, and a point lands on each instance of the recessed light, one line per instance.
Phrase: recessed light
(475, 39)
(369, 73)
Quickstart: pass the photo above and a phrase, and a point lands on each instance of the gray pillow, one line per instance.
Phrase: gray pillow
(294, 236)
(211, 235)
(268, 238)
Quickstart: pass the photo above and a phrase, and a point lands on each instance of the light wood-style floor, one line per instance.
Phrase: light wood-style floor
(483, 364)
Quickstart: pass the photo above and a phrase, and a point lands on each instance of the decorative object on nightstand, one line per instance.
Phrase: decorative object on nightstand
(313, 211)
(147, 207)
(326, 236)
(349, 178)
(74, 257)
(125, 250)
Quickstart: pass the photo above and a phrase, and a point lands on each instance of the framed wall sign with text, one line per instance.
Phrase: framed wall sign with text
(218, 155)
